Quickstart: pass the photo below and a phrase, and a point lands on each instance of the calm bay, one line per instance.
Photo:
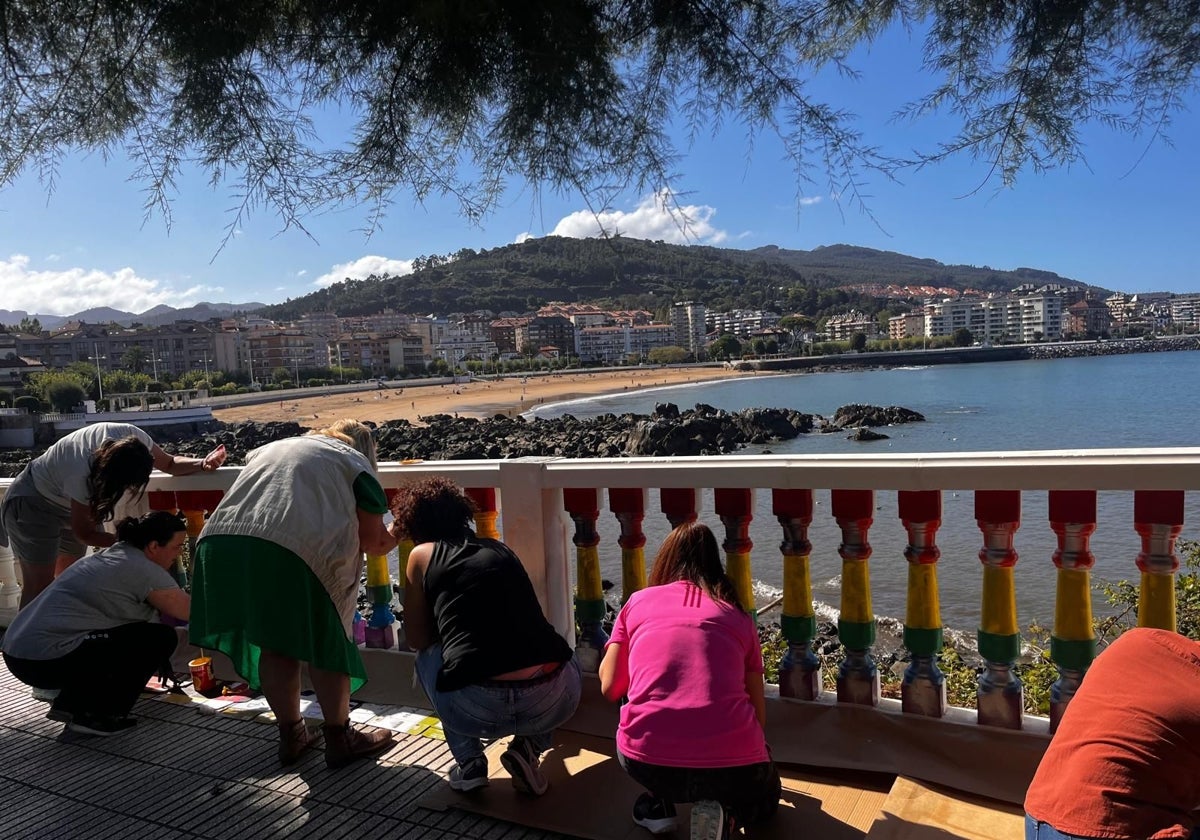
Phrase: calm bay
(1136, 400)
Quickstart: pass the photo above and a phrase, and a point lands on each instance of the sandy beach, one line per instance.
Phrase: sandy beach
(511, 395)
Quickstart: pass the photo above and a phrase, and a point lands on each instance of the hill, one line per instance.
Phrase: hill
(628, 273)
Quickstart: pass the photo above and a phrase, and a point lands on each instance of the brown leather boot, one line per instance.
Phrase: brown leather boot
(294, 739)
(344, 744)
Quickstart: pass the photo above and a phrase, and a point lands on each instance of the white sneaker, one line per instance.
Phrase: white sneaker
(709, 821)
(46, 695)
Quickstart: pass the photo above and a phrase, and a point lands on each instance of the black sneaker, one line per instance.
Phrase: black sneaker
(60, 715)
(656, 815)
(710, 821)
(470, 776)
(85, 723)
(524, 765)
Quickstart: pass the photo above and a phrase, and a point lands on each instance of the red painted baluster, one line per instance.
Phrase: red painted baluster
(1001, 695)
(923, 690)
(858, 678)
(735, 506)
(629, 506)
(1158, 519)
(486, 514)
(583, 506)
(1072, 641)
(678, 504)
(800, 671)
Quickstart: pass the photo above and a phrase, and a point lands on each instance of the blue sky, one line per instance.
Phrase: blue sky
(1127, 220)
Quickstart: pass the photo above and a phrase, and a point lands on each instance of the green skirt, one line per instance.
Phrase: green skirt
(251, 595)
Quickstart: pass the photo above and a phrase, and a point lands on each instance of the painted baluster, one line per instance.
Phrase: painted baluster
(166, 500)
(923, 691)
(10, 589)
(800, 671)
(735, 506)
(629, 505)
(1158, 519)
(1072, 642)
(678, 504)
(379, 630)
(583, 505)
(196, 505)
(858, 678)
(1001, 695)
(485, 511)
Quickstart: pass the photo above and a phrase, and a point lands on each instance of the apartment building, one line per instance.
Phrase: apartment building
(617, 343)
(691, 331)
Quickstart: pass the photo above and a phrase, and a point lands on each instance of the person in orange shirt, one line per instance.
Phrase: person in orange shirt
(1125, 761)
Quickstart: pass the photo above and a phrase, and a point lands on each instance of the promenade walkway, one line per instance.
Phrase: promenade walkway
(185, 775)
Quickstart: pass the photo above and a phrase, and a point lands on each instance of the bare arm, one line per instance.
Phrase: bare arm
(373, 537)
(185, 465)
(86, 529)
(173, 602)
(614, 672)
(754, 687)
(418, 623)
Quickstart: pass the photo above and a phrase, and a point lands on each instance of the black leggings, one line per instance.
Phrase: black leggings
(751, 792)
(106, 673)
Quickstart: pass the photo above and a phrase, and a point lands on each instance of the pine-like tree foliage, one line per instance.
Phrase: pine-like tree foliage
(455, 98)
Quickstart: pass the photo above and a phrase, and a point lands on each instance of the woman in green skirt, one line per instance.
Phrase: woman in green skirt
(276, 579)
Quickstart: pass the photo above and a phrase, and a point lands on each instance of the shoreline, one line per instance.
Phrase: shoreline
(480, 398)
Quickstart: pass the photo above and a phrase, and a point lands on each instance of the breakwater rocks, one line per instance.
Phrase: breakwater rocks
(1112, 348)
(703, 430)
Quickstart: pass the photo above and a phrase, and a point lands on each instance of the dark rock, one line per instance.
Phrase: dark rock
(863, 433)
(849, 416)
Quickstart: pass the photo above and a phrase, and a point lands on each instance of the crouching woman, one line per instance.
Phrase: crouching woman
(490, 662)
(94, 634)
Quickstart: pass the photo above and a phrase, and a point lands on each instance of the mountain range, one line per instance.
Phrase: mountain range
(618, 272)
(153, 317)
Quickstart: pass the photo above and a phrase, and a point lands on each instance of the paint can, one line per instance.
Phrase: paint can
(202, 674)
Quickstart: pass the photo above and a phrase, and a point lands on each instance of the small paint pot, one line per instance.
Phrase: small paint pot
(202, 674)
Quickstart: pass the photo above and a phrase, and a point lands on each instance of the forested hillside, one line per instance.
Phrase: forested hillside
(629, 273)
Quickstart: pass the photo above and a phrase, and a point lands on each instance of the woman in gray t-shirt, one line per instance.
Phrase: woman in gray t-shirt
(94, 633)
(58, 504)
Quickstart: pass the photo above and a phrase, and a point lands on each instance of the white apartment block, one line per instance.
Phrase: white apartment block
(459, 344)
(687, 319)
(842, 327)
(613, 344)
(741, 322)
(1016, 319)
(1185, 310)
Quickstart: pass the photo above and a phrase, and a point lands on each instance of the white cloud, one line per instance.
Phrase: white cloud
(657, 216)
(302, 272)
(808, 201)
(362, 268)
(70, 290)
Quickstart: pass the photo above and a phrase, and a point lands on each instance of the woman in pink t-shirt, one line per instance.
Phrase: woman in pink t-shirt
(687, 658)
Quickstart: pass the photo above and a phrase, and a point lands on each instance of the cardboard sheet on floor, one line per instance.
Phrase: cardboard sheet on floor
(591, 796)
(919, 811)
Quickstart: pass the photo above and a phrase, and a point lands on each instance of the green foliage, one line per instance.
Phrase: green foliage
(667, 355)
(858, 342)
(6, 398)
(65, 395)
(41, 384)
(135, 359)
(28, 402)
(726, 346)
(962, 337)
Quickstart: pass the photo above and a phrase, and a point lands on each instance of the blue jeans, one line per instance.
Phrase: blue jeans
(529, 710)
(1035, 830)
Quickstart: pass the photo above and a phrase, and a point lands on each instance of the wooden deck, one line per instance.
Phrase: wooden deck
(185, 775)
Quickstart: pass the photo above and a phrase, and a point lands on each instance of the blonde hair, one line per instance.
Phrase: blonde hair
(355, 434)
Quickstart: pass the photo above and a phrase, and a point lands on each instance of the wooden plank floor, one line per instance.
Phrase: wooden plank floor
(181, 774)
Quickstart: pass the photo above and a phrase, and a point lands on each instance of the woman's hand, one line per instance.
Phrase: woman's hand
(214, 459)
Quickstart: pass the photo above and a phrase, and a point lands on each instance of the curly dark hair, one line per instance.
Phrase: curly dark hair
(117, 466)
(690, 553)
(433, 509)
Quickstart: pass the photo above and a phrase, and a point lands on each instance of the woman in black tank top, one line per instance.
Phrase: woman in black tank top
(488, 659)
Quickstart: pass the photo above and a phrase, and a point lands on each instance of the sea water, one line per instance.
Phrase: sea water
(1136, 400)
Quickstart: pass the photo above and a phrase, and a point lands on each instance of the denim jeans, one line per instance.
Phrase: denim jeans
(1035, 830)
(751, 791)
(494, 710)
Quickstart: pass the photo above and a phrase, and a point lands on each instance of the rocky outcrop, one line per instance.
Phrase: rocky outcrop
(703, 430)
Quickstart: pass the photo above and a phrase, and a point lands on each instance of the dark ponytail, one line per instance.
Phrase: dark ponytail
(117, 466)
(156, 526)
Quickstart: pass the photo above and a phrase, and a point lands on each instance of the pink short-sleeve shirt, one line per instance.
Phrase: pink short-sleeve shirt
(688, 660)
